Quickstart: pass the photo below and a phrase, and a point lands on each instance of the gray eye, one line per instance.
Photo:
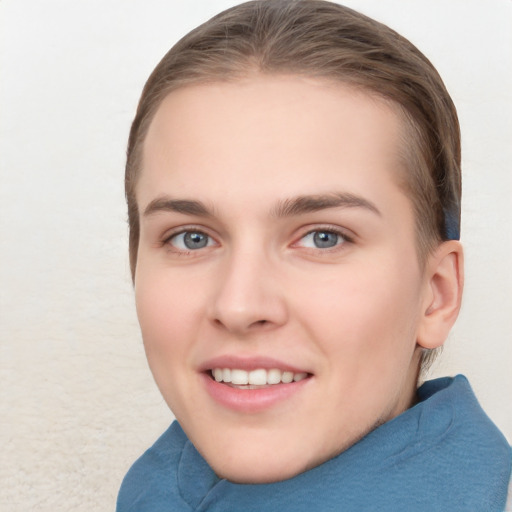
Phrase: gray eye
(325, 239)
(191, 240)
(322, 239)
(194, 240)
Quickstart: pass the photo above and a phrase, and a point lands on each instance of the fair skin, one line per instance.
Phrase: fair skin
(277, 245)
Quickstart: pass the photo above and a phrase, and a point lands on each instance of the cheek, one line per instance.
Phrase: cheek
(165, 312)
(362, 312)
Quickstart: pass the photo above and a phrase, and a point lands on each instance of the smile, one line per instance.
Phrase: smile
(257, 377)
(251, 386)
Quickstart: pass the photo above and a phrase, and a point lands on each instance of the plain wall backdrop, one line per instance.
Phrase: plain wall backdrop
(77, 401)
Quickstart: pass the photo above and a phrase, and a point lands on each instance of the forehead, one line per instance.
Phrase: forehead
(294, 132)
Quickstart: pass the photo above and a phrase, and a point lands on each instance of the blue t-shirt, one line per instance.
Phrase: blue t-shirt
(443, 454)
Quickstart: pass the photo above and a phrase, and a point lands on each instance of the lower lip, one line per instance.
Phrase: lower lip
(251, 400)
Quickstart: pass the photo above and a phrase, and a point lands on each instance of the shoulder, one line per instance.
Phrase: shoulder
(508, 505)
(152, 475)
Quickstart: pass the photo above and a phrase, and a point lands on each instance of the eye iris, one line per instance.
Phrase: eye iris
(194, 240)
(325, 239)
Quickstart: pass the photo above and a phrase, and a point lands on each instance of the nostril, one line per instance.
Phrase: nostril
(251, 326)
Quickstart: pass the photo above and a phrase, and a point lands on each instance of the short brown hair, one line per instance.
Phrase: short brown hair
(325, 40)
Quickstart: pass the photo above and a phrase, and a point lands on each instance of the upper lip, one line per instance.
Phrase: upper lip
(248, 363)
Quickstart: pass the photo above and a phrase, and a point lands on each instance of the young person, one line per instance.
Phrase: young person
(293, 187)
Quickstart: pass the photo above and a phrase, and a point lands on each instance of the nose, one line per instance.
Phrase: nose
(248, 297)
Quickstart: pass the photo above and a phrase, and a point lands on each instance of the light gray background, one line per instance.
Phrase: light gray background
(77, 401)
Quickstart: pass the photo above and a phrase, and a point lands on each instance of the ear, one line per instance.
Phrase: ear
(444, 281)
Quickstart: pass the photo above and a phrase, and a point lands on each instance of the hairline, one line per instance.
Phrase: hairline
(408, 144)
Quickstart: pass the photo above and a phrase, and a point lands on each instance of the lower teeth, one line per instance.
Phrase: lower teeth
(248, 386)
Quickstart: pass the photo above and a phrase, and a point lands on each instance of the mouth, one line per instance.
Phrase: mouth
(253, 386)
(259, 378)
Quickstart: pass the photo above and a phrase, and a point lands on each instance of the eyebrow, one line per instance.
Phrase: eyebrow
(184, 206)
(307, 204)
(286, 208)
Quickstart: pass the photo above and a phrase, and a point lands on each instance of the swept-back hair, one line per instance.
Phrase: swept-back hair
(322, 39)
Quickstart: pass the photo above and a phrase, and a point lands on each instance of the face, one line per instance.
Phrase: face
(277, 285)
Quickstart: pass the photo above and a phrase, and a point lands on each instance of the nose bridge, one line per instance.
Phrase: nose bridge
(248, 294)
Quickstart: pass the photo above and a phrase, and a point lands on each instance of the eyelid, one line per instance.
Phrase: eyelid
(179, 230)
(347, 235)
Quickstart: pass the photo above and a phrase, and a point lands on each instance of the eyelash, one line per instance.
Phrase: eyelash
(341, 234)
(167, 241)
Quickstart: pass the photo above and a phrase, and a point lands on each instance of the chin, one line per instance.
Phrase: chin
(252, 475)
(263, 465)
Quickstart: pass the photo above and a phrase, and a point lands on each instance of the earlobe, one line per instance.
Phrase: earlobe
(444, 275)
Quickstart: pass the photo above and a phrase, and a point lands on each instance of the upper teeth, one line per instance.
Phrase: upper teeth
(258, 377)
